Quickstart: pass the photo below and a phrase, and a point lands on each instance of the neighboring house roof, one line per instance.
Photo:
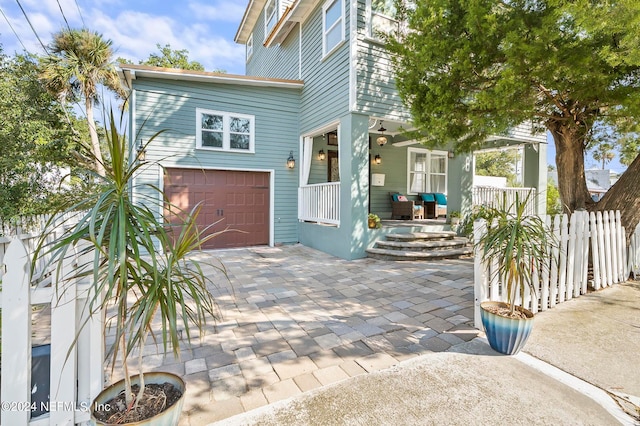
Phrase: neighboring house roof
(129, 72)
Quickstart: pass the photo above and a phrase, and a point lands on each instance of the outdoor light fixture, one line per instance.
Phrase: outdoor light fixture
(451, 154)
(321, 155)
(382, 139)
(291, 162)
(377, 159)
(141, 152)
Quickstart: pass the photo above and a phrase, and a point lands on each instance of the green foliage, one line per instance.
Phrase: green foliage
(79, 62)
(519, 244)
(38, 137)
(169, 58)
(497, 163)
(479, 212)
(468, 69)
(553, 200)
(139, 267)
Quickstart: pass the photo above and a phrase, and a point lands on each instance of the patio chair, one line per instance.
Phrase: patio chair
(435, 204)
(403, 208)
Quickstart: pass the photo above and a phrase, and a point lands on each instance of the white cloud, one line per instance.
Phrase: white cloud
(229, 11)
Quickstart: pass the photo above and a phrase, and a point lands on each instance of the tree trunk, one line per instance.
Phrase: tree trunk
(624, 195)
(95, 142)
(572, 184)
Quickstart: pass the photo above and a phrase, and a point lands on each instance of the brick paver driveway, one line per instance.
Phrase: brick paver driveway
(295, 319)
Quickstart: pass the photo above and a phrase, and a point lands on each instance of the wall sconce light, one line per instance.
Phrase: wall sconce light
(291, 162)
(382, 139)
(321, 155)
(141, 153)
(377, 159)
(450, 154)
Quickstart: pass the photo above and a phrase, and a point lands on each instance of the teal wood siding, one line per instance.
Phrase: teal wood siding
(376, 92)
(277, 61)
(171, 105)
(325, 97)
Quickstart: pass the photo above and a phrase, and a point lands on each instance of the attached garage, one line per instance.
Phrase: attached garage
(234, 200)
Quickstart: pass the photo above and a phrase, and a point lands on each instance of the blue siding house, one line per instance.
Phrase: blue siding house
(308, 142)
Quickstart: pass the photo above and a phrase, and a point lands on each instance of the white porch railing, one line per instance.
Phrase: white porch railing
(492, 196)
(76, 370)
(320, 203)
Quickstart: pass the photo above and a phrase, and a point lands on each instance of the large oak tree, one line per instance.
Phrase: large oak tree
(471, 68)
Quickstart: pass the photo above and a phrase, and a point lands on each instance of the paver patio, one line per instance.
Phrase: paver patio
(295, 319)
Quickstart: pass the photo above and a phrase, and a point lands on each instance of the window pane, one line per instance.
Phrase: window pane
(212, 139)
(239, 141)
(211, 122)
(417, 183)
(438, 163)
(240, 125)
(418, 162)
(438, 183)
(334, 37)
(334, 12)
(385, 7)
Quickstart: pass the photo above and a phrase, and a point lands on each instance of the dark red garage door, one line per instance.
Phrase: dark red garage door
(237, 200)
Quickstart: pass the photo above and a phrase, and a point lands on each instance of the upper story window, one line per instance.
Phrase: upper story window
(270, 17)
(224, 131)
(249, 46)
(382, 19)
(332, 25)
(427, 171)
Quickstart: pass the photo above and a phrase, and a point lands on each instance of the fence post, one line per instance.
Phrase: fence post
(479, 274)
(16, 335)
(63, 339)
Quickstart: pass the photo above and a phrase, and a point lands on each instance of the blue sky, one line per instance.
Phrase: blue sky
(205, 28)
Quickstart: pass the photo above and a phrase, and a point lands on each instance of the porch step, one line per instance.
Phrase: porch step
(421, 246)
(422, 236)
(384, 254)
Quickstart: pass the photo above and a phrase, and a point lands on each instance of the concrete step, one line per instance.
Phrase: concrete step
(423, 245)
(401, 255)
(422, 236)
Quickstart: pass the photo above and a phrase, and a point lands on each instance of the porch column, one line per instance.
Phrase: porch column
(460, 183)
(354, 181)
(535, 173)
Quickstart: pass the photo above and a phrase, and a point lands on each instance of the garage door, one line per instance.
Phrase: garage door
(235, 200)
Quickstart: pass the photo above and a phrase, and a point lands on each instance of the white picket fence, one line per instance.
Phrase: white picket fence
(565, 274)
(633, 255)
(76, 370)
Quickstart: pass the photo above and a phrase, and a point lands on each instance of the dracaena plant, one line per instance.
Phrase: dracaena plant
(139, 268)
(520, 244)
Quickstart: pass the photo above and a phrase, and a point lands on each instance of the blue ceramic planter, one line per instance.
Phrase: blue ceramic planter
(506, 335)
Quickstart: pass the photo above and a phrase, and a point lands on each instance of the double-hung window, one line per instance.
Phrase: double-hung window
(332, 25)
(270, 17)
(382, 20)
(224, 131)
(427, 171)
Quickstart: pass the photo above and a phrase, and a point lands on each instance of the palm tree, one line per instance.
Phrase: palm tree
(78, 62)
(603, 152)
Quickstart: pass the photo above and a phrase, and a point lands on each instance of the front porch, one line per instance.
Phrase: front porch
(350, 167)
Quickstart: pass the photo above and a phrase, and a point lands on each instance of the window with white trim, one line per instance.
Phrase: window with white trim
(224, 131)
(332, 25)
(270, 17)
(382, 17)
(427, 171)
(249, 46)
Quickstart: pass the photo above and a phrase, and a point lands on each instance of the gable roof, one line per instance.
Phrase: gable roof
(297, 11)
(129, 72)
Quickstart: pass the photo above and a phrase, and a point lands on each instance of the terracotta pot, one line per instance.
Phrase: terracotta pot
(372, 223)
(506, 335)
(168, 417)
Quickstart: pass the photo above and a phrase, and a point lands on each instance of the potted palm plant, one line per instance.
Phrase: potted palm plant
(142, 278)
(518, 246)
